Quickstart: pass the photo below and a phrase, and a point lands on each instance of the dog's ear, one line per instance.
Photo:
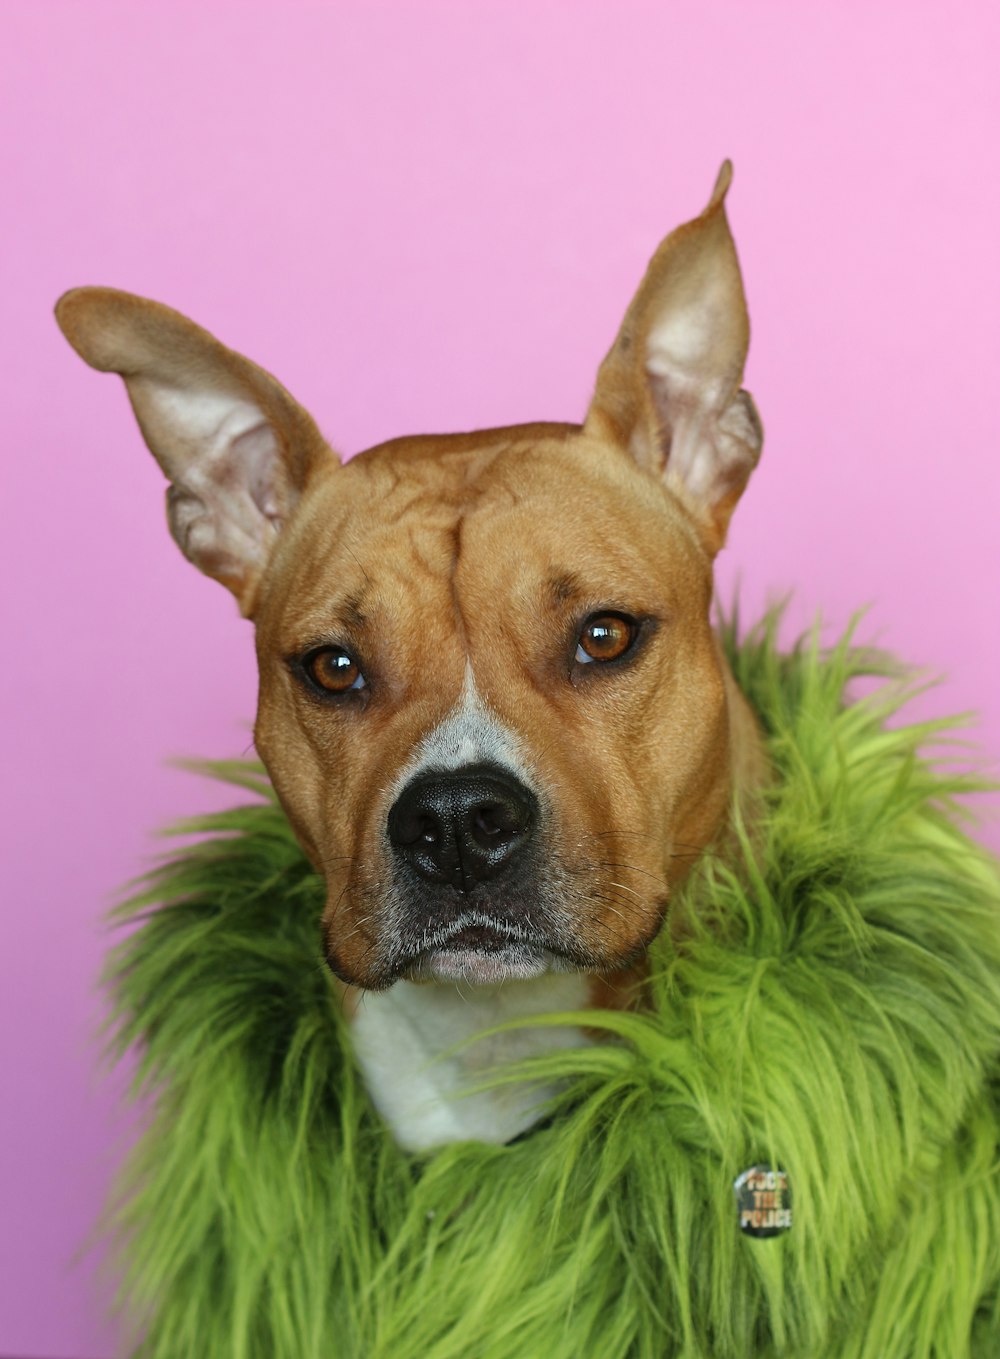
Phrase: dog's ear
(669, 389)
(237, 448)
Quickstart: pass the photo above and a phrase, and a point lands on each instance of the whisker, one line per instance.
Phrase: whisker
(621, 887)
(694, 854)
(636, 835)
(634, 868)
(617, 937)
(597, 896)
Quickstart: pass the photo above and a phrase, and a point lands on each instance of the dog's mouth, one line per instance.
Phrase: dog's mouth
(481, 945)
(481, 949)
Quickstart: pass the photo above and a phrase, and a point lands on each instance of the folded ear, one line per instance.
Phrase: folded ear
(669, 389)
(238, 450)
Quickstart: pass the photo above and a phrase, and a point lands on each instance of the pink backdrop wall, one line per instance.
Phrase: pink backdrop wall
(431, 216)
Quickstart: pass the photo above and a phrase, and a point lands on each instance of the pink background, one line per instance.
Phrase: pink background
(427, 217)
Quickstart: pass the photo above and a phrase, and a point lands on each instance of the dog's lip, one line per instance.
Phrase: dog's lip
(477, 934)
(472, 927)
(479, 938)
(478, 954)
(476, 943)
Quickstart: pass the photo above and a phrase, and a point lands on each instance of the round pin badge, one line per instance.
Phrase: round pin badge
(763, 1202)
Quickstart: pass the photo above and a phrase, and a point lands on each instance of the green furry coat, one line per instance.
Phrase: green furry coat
(833, 1011)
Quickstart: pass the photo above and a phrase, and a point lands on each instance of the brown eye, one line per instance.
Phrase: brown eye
(605, 637)
(333, 670)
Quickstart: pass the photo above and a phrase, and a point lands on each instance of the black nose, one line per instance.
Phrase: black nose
(463, 827)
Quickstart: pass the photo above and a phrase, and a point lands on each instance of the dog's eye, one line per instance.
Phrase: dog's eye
(606, 637)
(333, 670)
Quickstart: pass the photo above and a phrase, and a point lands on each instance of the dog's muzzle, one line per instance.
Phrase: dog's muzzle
(470, 903)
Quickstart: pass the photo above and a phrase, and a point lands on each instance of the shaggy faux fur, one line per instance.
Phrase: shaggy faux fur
(834, 1010)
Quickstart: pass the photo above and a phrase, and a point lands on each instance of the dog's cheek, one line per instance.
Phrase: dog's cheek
(654, 780)
(296, 780)
(337, 826)
(697, 748)
(309, 759)
(599, 867)
(363, 769)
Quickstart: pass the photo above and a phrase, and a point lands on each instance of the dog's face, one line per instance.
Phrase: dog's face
(490, 698)
(492, 703)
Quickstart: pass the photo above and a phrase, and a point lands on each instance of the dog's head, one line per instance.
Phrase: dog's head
(490, 698)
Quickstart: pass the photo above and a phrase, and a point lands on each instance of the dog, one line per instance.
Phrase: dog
(491, 701)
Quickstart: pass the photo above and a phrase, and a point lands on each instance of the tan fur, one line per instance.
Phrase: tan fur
(409, 534)
(433, 558)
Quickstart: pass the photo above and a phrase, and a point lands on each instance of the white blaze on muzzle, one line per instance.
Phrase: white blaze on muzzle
(470, 734)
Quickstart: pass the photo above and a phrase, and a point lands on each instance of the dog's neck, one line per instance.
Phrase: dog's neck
(422, 1069)
(425, 1068)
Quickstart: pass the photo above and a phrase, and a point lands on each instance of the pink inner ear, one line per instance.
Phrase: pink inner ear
(707, 454)
(228, 504)
(255, 460)
(711, 437)
(230, 488)
(233, 443)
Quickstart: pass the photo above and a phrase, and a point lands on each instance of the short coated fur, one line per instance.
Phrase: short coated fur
(491, 701)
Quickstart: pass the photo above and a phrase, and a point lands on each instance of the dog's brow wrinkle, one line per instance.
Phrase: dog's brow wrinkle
(357, 563)
(456, 552)
(353, 611)
(426, 500)
(564, 586)
(426, 555)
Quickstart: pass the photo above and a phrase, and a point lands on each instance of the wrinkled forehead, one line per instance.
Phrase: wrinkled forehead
(433, 535)
(577, 534)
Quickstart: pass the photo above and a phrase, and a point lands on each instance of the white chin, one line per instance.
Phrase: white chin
(479, 967)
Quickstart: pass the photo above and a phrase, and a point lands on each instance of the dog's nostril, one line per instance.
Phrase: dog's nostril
(490, 822)
(485, 822)
(412, 826)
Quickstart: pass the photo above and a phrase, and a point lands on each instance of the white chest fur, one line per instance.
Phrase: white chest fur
(412, 1043)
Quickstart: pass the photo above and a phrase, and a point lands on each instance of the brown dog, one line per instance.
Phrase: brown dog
(491, 700)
